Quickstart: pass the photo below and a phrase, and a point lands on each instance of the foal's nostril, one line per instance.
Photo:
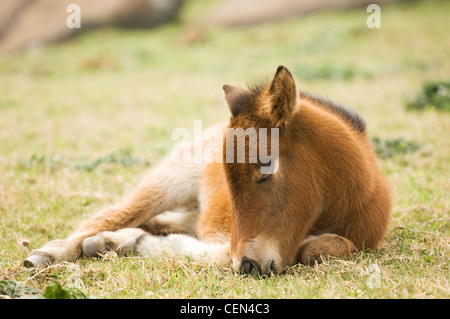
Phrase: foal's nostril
(272, 267)
(250, 266)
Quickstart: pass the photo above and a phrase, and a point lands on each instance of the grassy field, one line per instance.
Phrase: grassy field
(80, 123)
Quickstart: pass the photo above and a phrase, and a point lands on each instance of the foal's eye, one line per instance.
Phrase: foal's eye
(264, 178)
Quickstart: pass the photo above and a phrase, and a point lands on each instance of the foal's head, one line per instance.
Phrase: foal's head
(262, 186)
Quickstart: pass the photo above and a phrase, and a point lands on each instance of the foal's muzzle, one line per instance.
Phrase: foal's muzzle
(252, 267)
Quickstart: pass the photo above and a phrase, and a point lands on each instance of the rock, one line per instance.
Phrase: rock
(233, 13)
(25, 24)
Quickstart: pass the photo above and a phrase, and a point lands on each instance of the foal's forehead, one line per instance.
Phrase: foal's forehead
(250, 120)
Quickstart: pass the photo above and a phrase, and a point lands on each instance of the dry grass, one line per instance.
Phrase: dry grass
(82, 121)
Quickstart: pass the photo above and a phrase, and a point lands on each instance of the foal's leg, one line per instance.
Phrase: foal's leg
(170, 185)
(327, 245)
(173, 222)
(135, 241)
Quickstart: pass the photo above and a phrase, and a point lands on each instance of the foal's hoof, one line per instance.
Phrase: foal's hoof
(93, 246)
(38, 260)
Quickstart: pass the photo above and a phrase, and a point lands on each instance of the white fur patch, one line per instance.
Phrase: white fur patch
(177, 245)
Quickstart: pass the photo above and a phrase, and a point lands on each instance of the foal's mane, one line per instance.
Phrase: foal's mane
(346, 113)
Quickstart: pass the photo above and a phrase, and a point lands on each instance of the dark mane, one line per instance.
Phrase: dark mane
(349, 115)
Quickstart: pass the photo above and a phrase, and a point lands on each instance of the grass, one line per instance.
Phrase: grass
(80, 122)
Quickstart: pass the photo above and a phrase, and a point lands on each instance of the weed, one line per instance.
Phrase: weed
(394, 146)
(433, 95)
(15, 289)
(123, 158)
(326, 72)
(56, 291)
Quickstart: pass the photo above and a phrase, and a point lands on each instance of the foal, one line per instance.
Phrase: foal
(319, 193)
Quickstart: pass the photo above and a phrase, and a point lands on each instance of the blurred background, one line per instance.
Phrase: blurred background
(25, 24)
(133, 70)
(136, 69)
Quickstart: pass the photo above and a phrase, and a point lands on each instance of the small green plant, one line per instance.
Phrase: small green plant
(325, 72)
(122, 158)
(15, 289)
(393, 146)
(56, 291)
(434, 95)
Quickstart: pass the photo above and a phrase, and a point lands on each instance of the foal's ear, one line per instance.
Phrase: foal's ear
(282, 98)
(237, 99)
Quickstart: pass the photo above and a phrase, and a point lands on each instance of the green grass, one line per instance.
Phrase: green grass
(80, 122)
(434, 94)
